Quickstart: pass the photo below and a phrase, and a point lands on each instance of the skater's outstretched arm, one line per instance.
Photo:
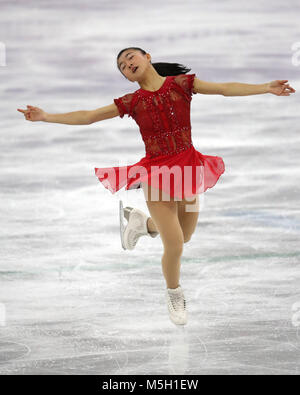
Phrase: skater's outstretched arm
(71, 118)
(277, 87)
(102, 113)
(208, 88)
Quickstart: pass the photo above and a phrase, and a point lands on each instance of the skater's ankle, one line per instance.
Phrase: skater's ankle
(172, 287)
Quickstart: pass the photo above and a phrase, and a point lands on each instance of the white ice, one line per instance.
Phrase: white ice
(72, 301)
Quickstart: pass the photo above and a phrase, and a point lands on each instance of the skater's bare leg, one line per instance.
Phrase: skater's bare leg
(164, 215)
(188, 219)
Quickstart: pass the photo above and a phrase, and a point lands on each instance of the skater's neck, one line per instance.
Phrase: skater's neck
(151, 81)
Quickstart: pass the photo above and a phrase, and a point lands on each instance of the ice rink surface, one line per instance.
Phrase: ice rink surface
(72, 301)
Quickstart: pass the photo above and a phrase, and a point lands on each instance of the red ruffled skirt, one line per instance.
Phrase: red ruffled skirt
(179, 175)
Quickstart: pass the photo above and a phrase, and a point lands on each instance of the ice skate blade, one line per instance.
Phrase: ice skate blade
(122, 226)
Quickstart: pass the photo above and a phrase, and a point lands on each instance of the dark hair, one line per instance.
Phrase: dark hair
(162, 68)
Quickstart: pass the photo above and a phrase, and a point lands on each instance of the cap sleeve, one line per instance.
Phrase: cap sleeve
(124, 104)
(186, 81)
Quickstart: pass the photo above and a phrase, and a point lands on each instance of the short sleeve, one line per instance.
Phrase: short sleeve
(124, 104)
(186, 81)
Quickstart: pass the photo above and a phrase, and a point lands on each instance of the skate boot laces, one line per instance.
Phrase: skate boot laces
(178, 301)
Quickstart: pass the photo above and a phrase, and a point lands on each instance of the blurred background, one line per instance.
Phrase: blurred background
(72, 301)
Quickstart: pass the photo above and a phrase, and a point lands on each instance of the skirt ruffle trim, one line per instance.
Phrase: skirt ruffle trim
(184, 174)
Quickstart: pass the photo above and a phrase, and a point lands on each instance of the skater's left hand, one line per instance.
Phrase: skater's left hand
(280, 88)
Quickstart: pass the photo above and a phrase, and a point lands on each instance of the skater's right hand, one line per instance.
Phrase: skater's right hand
(33, 113)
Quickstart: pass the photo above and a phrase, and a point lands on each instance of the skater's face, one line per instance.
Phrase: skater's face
(129, 60)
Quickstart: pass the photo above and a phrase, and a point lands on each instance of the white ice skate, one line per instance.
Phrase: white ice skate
(136, 227)
(176, 305)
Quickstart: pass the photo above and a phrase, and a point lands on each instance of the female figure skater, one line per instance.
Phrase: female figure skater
(161, 108)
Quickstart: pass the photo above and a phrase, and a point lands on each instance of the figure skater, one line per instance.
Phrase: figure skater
(161, 109)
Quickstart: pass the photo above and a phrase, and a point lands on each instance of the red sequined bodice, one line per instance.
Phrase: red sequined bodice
(163, 116)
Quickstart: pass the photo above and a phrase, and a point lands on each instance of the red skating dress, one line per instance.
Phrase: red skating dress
(171, 162)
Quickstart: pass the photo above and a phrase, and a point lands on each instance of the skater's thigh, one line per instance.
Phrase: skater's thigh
(164, 214)
(155, 194)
